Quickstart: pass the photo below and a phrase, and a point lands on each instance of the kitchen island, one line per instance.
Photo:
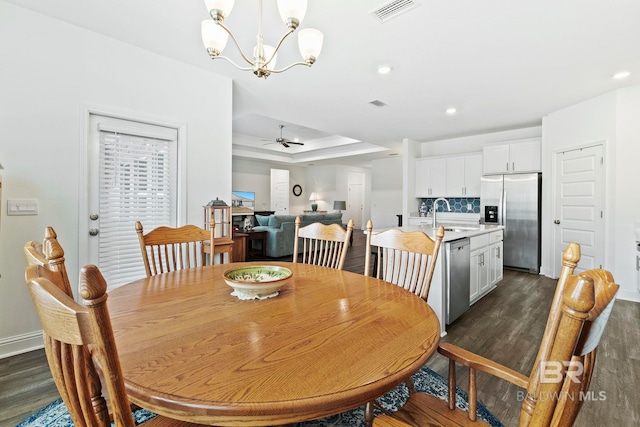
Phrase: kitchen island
(485, 260)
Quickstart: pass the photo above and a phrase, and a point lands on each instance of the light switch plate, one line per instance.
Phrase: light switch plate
(22, 207)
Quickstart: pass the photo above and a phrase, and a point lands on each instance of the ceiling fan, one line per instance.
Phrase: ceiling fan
(284, 141)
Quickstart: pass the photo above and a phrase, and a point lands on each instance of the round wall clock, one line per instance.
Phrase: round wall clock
(297, 190)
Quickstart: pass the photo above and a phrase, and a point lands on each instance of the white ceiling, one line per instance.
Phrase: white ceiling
(502, 64)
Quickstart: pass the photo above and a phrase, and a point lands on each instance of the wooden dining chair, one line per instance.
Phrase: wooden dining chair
(77, 339)
(406, 259)
(322, 244)
(169, 249)
(49, 255)
(563, 368)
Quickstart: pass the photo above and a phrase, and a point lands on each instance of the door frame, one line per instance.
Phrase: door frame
(556, 262)
(86, 111)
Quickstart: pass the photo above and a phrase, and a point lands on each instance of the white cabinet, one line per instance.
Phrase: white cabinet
(463, 176)
(495, 267)
(455, 176)
(515, 157)
(485, 258)
(431, 177)
(495, 257)
(479, 273)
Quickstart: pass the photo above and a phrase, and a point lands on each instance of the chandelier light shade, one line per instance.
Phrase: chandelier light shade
(263, 62)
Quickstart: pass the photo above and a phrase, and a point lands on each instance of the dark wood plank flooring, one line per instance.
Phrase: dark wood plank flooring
(505, 326)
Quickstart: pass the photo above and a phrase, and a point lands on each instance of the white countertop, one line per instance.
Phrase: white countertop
(449, 235)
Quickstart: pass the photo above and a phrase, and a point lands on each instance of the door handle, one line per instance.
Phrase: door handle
(557, 221)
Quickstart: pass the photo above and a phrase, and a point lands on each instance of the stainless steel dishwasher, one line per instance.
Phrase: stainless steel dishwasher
(458, 278)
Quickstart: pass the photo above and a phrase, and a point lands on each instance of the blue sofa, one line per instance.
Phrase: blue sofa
(281, 229)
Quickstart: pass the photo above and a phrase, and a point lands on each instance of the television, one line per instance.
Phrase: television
(243, 202)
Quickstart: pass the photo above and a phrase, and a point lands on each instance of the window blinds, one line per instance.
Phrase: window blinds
(137, 182)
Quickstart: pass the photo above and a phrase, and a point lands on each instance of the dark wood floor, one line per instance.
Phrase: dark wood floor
(505, 326)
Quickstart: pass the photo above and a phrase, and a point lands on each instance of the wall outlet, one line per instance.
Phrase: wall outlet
(469, 207)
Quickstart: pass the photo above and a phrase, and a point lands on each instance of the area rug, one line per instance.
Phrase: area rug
(55, 414)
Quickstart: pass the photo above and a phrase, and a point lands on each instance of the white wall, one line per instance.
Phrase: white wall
(251, 175)
(386, 192)
(613, 119)
(50, 70)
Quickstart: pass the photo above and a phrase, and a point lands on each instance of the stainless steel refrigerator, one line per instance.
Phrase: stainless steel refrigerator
(514, 201)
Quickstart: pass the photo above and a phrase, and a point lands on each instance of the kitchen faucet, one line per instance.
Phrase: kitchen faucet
(434, 208)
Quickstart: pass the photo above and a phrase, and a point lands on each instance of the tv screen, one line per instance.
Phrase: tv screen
(243, 202)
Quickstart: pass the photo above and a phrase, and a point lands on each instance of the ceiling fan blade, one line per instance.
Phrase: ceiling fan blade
(297, 143)
(285, 144)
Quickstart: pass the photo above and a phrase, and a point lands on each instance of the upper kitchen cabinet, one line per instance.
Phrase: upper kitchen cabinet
(431, 177)
(516, 157)
(463, 175)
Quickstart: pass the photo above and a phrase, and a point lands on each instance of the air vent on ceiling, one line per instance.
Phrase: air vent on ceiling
(378, 103)
(393, 8)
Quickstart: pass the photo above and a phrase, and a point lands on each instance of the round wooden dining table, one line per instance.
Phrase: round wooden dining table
(330, 341)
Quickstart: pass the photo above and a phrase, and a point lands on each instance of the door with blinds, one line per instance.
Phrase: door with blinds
(132, 176)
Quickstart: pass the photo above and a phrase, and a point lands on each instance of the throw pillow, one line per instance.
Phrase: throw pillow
(263, 219)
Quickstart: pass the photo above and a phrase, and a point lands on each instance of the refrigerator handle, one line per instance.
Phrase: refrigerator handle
(503, 207)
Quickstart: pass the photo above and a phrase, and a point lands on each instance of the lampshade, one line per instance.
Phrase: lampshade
(339, 205)
(313, 197)
(213, 36)
(310, 43)
(224, 5)
(292, 9)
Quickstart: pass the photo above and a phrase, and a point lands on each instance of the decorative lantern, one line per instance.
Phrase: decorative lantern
(217, 216)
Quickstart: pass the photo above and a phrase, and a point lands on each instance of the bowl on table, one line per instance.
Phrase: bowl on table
(260, 281)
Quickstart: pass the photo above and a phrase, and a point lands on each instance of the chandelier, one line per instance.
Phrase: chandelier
(215, 35)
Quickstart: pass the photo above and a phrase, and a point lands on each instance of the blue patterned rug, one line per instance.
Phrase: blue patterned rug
(55, 414)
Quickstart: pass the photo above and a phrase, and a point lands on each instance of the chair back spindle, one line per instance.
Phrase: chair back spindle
(167, 249)
(322, 244)
(406, 259)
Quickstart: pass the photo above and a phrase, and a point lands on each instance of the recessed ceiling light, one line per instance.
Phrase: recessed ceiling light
(451, 111)
(384, 69)
(621, 75)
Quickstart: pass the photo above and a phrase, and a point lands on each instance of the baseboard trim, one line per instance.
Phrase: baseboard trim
(19, 344)
(629, 296)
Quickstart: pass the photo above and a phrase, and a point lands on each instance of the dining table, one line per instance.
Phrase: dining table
(328, 342)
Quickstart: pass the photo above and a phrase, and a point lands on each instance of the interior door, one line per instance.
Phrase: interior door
(579, 206)
(280, 191)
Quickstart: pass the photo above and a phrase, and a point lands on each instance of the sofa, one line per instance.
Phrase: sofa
(281, 229)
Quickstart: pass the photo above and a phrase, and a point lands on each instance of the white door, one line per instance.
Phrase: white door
(280, 191)
(355, 206)
(579, 206)
(131, 176)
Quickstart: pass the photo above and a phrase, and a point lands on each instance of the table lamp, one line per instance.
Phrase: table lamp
(313, 197)
(339, 205)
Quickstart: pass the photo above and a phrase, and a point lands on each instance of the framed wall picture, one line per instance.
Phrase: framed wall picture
(297, 190)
